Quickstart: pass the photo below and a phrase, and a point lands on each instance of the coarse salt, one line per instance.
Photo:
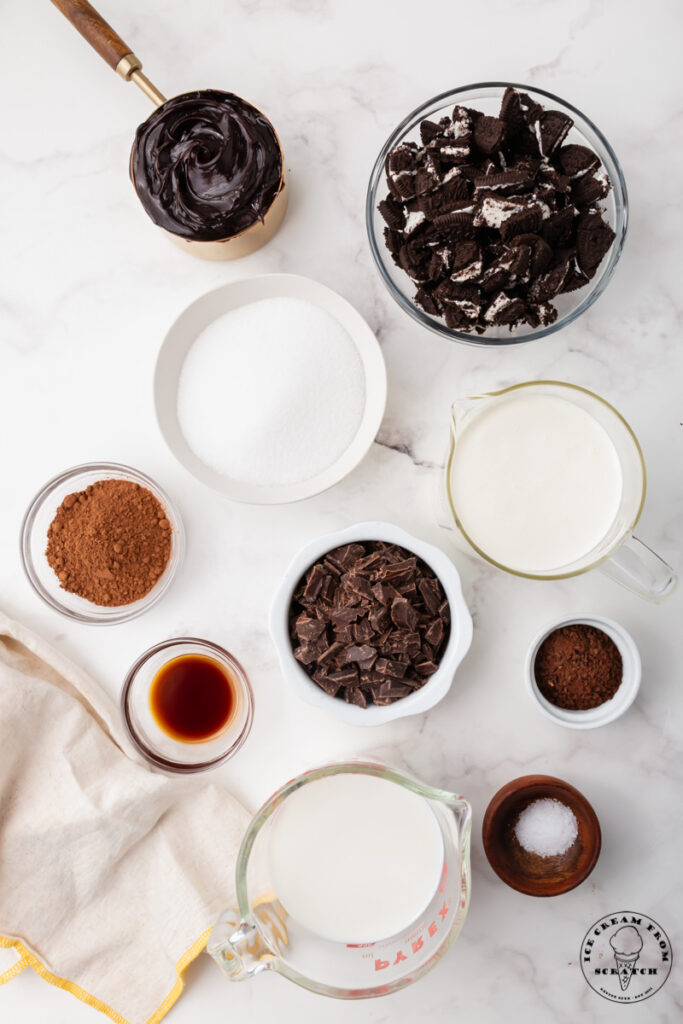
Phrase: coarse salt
(271, 393)
(546, 827)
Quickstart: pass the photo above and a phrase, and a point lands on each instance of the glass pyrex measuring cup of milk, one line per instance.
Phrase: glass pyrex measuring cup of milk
(547, 480)
(352, 880)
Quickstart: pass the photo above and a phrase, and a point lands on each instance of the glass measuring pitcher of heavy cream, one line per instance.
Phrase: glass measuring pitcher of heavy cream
(547, 480)
(352, 881)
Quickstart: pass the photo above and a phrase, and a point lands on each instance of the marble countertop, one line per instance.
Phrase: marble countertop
(87, 291)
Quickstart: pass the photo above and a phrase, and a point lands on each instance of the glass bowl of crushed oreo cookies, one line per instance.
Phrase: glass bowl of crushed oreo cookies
(496, 214)
(370, 624)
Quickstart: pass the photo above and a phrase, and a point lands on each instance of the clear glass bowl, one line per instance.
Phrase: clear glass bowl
(152, 742)
(33, 543)
(486, 96)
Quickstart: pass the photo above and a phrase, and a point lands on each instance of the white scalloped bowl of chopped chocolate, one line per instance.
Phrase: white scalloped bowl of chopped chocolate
(496, 214)
(370, 624)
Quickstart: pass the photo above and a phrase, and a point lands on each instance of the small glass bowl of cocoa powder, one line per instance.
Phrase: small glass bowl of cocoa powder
(121, 549)
(583, 672)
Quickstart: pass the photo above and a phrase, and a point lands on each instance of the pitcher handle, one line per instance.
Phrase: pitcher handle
(640, 569)
(237, 948)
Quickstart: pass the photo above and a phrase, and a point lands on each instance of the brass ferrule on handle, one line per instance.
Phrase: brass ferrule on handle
(130, 69)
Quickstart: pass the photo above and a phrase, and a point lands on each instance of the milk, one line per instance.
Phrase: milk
(355, 858)
(536, 482)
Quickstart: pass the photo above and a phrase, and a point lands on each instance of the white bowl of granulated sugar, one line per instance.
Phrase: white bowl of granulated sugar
(271, 389)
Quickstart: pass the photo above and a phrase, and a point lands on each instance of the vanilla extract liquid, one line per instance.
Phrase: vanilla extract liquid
(192, 698)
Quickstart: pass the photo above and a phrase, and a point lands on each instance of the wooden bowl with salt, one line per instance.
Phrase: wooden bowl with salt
(532, 873)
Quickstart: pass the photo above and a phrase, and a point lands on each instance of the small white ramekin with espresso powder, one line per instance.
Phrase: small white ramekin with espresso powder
(610, 710)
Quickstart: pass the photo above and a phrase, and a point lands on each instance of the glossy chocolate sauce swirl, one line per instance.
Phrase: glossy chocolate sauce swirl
(206, 165)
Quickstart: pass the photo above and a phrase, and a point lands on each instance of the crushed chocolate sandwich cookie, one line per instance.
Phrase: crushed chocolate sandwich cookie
(493, 217)
(369, 623)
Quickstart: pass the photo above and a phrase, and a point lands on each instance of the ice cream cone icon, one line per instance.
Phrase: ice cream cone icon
(626, 944)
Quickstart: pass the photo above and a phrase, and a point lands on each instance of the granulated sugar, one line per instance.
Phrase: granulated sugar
(546, 827)
(272, 392)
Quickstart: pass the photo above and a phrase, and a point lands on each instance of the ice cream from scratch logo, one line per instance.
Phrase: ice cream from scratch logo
(626, 957)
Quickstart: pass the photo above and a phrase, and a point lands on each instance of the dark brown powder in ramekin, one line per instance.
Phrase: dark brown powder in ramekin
(109, 543)
(578, 667)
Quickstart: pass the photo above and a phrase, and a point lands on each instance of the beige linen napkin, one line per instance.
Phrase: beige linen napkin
(111, 874)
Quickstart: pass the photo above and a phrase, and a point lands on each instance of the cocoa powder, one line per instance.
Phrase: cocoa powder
(109, 543)
(578, 667)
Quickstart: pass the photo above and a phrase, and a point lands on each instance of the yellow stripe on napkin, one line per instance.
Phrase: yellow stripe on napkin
(29, 959)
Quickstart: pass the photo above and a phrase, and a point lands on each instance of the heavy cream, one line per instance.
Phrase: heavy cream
(355, 858)
(536, 482)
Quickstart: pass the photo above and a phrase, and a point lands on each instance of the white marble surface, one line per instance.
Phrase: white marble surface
(88, 288)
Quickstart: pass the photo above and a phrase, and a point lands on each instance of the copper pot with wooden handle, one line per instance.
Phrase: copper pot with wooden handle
(207, 166)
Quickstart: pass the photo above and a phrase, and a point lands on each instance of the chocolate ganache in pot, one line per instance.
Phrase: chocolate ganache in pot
(206, 165)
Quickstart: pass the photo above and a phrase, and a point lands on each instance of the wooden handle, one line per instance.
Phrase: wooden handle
(95, 30)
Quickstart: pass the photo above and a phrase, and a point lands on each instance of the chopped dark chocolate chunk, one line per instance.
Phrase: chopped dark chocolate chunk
(384, 594)
(387, 693)
(431, 594)
(313, 584)
(347, 555)
(402, 641)
(378, 618)
(355, 584)
(347, 676)
(307, 654)
(359, 653)
(434, 633)
(401, 570)
(354, 695)
(331, 653)
(377, 627)
(477, 181)
(308, 628)
(365, 565)
(363, 631)
(392, 669)
(426, 668)
(330, 686)
(343, 616)
(345, 634)
(403, 615)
